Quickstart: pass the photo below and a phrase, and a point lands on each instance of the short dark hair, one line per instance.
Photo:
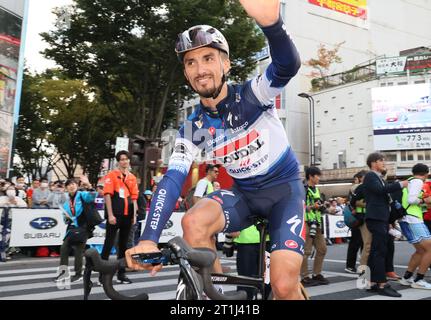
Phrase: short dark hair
(420, 169)
(120, 153)
(70, 181)
(312, 171)
(374, 157)
(360, 174)
(211, 167)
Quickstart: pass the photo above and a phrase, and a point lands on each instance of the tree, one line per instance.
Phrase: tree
(73, 124)
(31, 145)
(125, 48)
(325, 59)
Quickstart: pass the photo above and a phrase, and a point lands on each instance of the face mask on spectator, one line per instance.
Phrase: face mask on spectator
(20, 185)
(44, 185)
(10, 193)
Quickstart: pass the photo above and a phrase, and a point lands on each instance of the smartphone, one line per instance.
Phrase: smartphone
(153, 258)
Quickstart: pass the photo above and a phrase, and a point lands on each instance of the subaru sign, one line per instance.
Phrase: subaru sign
(43, 223)
(340, 224)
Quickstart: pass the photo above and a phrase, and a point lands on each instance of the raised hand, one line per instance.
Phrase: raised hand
(265, 12)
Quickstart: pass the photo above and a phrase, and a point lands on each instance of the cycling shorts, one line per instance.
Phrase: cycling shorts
(283, 205)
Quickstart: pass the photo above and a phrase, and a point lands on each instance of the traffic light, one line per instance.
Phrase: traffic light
(153, 157)
(137, 152)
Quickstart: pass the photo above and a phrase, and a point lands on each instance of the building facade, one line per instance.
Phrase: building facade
(11, 61)
(367, 28)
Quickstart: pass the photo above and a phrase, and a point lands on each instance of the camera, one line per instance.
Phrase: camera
(228, 246)
(313, 229)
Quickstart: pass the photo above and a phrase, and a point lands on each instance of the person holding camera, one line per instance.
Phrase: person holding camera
(314, 236)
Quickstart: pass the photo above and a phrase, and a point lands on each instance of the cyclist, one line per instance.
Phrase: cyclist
(238, 126)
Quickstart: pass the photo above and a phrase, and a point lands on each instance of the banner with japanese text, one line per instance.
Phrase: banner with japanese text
(354, 8)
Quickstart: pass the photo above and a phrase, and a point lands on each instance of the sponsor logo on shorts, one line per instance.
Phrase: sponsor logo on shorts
(217, 199)
(291, 244)
(212, 131)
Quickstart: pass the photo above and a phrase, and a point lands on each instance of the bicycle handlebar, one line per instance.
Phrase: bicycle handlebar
(108, 270)
(201, 258)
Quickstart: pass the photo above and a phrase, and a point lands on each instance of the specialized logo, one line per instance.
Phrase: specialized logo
(340, 224)
(295, 222)
(229, 119)
(43, 223)
(168, 224)
(291, 244)
(181, 288)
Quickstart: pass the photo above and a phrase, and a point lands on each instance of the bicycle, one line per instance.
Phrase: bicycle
(195, 271)
(259, 281)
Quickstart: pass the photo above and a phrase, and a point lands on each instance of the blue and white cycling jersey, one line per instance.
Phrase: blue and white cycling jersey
(245, 135)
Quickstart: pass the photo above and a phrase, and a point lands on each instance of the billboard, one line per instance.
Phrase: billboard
(402, 117)
(353, 8)
(10, 44)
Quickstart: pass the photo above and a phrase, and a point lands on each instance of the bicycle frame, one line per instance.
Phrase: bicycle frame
(256, 282)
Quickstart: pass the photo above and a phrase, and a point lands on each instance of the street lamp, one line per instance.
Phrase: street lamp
(312, 131)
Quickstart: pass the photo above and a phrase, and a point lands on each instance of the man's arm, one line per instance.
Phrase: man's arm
(199, 191)
(415, 189)
(265, 12)
(285, 57)
(375, 185)
(169, 189)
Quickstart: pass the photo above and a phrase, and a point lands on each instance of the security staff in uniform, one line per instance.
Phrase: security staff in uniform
(121, 194)
(314, 235)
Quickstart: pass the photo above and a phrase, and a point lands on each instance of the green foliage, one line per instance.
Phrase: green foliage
(125, 48)
(71, 125)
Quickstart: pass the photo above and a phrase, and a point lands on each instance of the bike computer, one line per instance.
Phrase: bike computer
(153, 258)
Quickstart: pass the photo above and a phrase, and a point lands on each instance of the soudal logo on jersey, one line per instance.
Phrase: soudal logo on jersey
(240, 148)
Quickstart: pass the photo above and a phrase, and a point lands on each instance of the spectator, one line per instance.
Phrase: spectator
(121, 194)
(34, 185)
(314, 235)
(74, 217)
(40, 195)
(334, 208)
(11, 199)
(51, 186)
(356, 242)
(377, 220)
(3, 186)
(57, 197)
(427, 214)
(358, 202)
(100, 199)
(21, 190)
(205, 185)
(216, 186)
(415, 230)
(153, 188)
